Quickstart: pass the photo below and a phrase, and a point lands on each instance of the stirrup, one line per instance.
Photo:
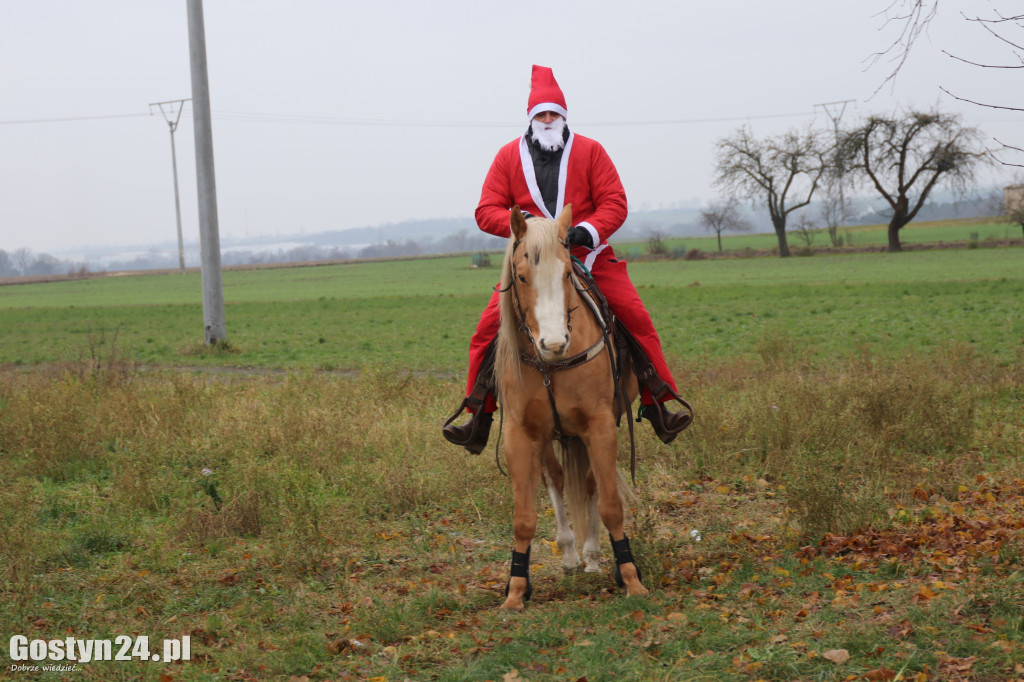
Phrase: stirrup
(667, 425)
(473, 434)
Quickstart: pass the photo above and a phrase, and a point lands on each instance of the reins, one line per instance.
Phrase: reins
(588, 295)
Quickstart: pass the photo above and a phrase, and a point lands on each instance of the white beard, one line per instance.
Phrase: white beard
(549, 135)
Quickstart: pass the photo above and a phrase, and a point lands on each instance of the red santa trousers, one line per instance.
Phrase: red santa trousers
(610, 274)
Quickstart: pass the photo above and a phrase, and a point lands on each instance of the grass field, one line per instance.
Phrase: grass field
(420, 313)
(961, 231)
(855, 476)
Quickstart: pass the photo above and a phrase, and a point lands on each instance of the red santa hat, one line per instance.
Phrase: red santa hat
(545, 95)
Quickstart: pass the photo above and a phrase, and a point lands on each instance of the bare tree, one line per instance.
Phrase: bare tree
(912, 18)
(904, 157)
(22, 260)
(656, 244)
(723, 216)
(806, 230)
(772, 170)
(1013, 204)
(833, 213)
(6, 265)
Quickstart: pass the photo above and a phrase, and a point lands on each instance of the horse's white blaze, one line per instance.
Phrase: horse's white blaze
(552, 330)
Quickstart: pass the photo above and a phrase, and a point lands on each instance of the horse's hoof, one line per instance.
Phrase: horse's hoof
(512, 607)
(622, 583)
(592, 569)
(638, 591)
(572, 570)
(524, 597)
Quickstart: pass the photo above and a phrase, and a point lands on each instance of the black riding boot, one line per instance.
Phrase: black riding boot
(667, 425)
(473, 434)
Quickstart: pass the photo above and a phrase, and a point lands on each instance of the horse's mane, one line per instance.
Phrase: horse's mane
(540, 240)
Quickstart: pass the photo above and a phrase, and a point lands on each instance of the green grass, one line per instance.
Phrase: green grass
(856, 237)
(424, 311)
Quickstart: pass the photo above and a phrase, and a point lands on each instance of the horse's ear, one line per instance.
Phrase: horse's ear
(564, 220)
(518, 223)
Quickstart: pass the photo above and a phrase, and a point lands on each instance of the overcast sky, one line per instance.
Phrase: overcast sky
(332, 115)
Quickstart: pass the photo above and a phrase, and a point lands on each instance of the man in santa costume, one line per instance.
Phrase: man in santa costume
(546, 169)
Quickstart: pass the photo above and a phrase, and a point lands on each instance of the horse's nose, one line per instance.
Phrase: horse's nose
(554, 346)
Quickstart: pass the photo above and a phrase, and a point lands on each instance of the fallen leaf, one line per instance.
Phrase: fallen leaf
(512, 674)
(837, 655)
(880, 674)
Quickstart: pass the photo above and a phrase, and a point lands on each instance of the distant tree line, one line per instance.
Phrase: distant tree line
(25, 263)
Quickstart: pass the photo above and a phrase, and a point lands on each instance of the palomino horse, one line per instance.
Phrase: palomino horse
(557, 387)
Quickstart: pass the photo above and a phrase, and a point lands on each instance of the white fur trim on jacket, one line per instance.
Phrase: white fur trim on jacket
(531, 176)
(595, 238)
(592, 256)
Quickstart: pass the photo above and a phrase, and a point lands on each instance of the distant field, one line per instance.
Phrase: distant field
(419, 314)
(945, 231)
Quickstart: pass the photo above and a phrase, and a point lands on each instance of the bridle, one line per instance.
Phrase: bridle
(547, 369)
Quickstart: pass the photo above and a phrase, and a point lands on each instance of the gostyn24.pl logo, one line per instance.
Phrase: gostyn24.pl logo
(72, 650)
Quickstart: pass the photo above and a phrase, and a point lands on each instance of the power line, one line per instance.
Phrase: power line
(339, 120)
(409, 123)
(72, 118)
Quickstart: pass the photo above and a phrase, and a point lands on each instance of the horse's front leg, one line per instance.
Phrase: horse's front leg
(554, 480)
(602, 445)
(523, 457)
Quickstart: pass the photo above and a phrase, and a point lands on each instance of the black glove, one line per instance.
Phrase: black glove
(579, 236)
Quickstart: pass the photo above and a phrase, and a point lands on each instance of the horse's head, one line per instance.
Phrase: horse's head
(539, 271)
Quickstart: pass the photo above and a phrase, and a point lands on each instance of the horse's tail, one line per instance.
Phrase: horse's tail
(580, 486)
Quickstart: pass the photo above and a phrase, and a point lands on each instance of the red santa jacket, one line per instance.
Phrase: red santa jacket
(587, 180)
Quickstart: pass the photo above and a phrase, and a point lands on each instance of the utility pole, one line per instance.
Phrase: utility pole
(836, 114)
(209, 233)
(168, 115)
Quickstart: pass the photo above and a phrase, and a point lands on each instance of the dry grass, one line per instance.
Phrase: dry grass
(313, 479)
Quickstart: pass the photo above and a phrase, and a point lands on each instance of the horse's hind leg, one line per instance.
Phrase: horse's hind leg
(524, 470)
(554, 480)
(601, 444)
(592, 543)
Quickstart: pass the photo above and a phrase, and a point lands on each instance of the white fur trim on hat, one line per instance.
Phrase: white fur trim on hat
(548, 106)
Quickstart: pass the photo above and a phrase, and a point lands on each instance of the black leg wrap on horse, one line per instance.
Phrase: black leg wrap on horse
(521, 569)
(623, 555)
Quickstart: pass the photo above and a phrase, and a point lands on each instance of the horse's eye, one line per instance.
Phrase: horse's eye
(522, 279)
